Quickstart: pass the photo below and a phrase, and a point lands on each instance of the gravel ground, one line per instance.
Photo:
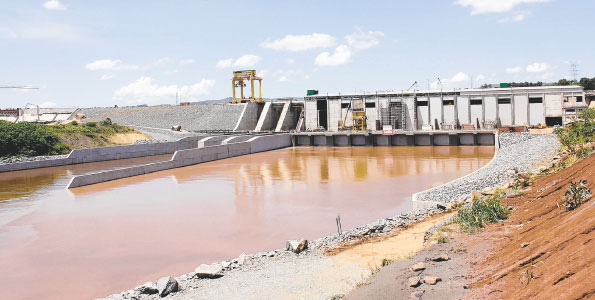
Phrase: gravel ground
(282, 274)
(391, 282)
(161, 135)
(519, 152)
(18, 159)
(191, 117)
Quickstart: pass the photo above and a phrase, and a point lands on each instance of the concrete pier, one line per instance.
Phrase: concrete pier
(403, 138)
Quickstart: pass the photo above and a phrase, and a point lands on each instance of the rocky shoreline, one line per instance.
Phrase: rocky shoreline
(19, 159)
(517, 153)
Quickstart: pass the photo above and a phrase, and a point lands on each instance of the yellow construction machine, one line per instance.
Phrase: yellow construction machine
(238, 81)
(358, 115)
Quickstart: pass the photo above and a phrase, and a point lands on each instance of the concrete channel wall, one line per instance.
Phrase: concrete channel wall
(106, 153)
(188, 157)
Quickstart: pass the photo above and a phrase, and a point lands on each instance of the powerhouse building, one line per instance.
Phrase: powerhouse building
(448, 109)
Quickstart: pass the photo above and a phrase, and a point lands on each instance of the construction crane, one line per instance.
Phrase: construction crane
(21, 87)
(413, 84)
(238, 81)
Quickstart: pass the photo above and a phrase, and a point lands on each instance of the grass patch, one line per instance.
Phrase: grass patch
(483, 211)
(442, 239)
(386, 261)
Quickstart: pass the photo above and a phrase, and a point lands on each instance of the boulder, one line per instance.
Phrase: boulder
(297, 246)
(244, 259)
(431, 280)
(413, 281)
(167, 285)
(209, 271)
(441, 257)
(225, 264)
(416, 295)
(148, 288)
(418, 267)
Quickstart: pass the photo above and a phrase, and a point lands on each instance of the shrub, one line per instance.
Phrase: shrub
(91, 124)
(482, 212)
(578, 133)
(28, 139)
(576, 194)
(106, 122)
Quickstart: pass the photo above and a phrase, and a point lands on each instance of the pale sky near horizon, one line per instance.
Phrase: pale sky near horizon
(102, 53)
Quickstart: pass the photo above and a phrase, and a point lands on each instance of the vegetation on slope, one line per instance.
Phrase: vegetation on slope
(29, 139)
(482, 212)
(578, 137)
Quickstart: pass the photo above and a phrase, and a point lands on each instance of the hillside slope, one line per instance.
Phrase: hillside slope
(542, 251)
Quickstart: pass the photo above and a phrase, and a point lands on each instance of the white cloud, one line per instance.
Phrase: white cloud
(340, 56)
(537, 67)
(301, 42)
(42, 31)
(493, 6)
(108, 64)
(248, 60)
(162, 61)
(144, 90)
(225, 63)
(516, 17)
(455, 81)
(364, 40)
(480, 77)
(54, 5)
(290, 61)
(290, 75)
(107, 76)
(187, 61)
(459, 77)
(547, 75)
(513, 69)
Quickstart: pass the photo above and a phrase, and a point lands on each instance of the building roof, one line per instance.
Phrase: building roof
(535, 89)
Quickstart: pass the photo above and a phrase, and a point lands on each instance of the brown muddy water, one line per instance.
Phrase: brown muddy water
(97, 240)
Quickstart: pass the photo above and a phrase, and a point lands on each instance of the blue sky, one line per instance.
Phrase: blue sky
(102, 53)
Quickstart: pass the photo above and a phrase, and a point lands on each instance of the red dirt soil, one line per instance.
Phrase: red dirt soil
(559, 260)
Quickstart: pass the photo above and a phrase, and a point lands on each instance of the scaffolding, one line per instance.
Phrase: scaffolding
(393, 115)
(238, 80)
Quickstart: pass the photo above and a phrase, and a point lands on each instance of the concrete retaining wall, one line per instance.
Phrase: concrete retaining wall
(188, 157)
(106, 153)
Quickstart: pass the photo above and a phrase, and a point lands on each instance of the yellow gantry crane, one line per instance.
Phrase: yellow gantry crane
(238, 80)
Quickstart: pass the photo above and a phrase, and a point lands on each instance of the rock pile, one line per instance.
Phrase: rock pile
(191, 117)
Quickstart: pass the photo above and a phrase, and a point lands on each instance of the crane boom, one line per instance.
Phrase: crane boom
(407, 90)
(22, 87)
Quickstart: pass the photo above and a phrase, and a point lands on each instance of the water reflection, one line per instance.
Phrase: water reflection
(136, 229)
